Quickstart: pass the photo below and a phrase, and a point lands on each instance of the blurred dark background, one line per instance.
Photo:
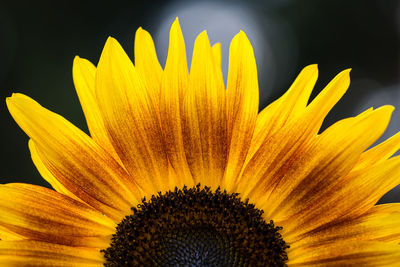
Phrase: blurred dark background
(39, 40)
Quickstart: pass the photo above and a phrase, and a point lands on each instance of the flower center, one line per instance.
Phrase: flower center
(196, 227)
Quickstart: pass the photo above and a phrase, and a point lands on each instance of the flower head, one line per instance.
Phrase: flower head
(181, 170)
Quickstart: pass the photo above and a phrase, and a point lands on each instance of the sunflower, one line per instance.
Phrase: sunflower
(180, 171)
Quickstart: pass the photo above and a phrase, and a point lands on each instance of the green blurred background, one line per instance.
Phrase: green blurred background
(39, 40)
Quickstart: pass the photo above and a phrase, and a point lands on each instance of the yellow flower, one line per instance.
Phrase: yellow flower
(180, 171)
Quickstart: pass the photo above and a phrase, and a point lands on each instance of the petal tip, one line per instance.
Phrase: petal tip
(241, 36)
(347, 71)
(344, 76)
(202, 39)
(111, 41)
(217, 45)
(11, 102)
(77, 60)
(140, 31)
(203, 34)
(8, 99)
(13, 97)
(387, 108)
(175, 25)
(110, 48)
(311, 68)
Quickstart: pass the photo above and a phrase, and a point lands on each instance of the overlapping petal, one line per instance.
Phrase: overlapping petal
(352, 253)
(216, 50)
(379, 153)
(204, 117)
(84, 73)
(242, 105)
(131, 119)
(44, 215)
(147, 65)
(279, 150)
(173, 88)
(7, 235)
(329, 157)
(35, 253)
(356, 194)
(291, 105)
(381, 223)
(74, 159)
(46, 174)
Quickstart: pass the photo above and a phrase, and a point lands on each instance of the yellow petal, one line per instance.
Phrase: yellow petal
(84, 76)
(321, 165)
(379, 153)
(242, 104)
(285, 145)
(352, 253)
(46, 174)
(174, 86)
(356, 194)
(204, 117)
(45, 215)
(77, 162)
(131, 119)
(7, 235)
(330, 95)
(370, 184)
(42, 254)
(381, 223)
(291, 105)
(147, 64)
(216, 51)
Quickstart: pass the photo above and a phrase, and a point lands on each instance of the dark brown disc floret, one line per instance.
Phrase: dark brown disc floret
(196, 227)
